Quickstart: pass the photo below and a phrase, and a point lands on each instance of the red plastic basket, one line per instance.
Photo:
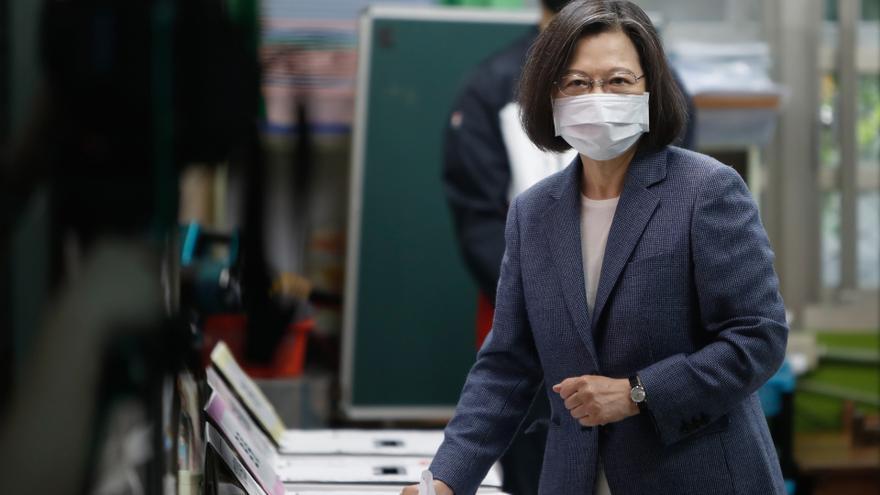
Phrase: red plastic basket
(231, 328)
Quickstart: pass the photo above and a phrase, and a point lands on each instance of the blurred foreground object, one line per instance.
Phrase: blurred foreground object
(134, 90)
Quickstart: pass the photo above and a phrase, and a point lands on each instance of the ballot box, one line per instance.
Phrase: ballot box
(235, 437)
(331, 441)
(360, 490)
(245, 431)
(361, 442)
(331, 470)
(339, 475)
(230, 379)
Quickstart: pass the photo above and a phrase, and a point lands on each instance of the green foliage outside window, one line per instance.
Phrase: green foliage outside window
(868, 125)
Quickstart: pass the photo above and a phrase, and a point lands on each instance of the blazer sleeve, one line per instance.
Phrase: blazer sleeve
(740, 308)
(499, 387)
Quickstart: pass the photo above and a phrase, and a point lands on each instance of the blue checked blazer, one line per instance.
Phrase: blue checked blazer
(688, 299)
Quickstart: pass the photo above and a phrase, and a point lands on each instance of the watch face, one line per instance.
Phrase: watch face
(637, 394)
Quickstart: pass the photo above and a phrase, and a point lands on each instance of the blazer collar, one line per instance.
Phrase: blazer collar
(646, 169)
(563, 235)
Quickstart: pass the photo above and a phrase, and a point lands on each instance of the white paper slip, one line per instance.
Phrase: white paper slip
(361, 442)
(426, 484)
(249, 392)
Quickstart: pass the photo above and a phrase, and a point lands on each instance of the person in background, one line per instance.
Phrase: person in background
(637, 289)
(488, 159)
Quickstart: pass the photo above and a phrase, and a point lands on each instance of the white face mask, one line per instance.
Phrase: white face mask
(601, 126)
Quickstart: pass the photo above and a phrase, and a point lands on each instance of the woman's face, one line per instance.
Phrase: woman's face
(610, 60)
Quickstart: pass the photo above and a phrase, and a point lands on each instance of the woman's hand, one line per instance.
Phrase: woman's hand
(440, 488)
(597, 400)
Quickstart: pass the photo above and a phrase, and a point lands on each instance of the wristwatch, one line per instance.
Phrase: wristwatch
(637, 393)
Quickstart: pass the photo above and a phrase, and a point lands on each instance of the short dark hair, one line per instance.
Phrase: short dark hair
(549, 58)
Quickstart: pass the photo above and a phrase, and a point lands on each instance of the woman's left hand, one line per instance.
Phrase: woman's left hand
(597, 400)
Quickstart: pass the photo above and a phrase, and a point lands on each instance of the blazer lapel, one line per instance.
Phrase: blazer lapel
(634, 210)
(562, 233)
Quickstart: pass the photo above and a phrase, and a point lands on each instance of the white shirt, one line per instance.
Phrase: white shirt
(528, 164)
(596, 218)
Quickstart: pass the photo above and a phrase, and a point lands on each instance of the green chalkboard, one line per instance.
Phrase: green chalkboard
(410, 305)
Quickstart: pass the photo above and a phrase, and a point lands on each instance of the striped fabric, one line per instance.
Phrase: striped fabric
(309, 57)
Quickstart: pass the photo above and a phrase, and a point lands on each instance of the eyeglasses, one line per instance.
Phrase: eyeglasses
(576, 83)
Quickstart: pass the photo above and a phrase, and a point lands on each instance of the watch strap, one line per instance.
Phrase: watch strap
(635, 381)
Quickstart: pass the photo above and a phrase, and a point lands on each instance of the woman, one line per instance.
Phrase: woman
(638, 284)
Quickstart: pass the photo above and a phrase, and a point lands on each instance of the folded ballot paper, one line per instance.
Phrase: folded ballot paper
(338, 461)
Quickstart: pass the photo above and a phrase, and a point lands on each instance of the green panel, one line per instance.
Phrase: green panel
(816, 412)
(853, 340)
(415, 321)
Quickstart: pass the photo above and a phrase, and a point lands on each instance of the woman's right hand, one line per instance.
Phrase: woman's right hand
(440, 488)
